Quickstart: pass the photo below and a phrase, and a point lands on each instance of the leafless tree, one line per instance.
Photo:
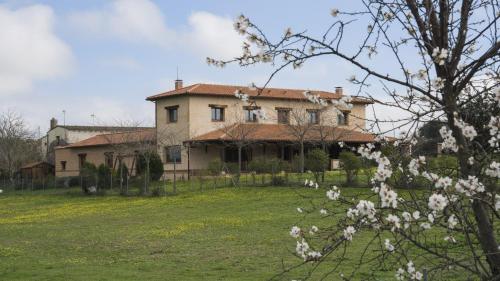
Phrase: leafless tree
(240, 132)
(17, 143)
(171, 136)
(301, 126)
(439, 57)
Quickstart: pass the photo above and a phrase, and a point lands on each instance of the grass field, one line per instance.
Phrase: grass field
(222, 234)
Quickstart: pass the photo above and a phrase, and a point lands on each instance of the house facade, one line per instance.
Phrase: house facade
(110, 149)
(61, 135)
(201, 122)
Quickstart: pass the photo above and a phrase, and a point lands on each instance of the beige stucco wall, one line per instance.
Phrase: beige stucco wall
(200, 113)
(95, 155)
(194, 119)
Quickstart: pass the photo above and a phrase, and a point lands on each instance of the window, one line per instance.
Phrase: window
(81, 159)
(283, 116)
(58, 140)
(217, 113)
(343, 118)
(173, 154)
(108, 159)
(63, 165)
(313, 116)
(172, 113)
(250, 114)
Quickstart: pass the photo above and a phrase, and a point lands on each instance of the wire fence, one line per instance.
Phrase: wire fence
(195, 181)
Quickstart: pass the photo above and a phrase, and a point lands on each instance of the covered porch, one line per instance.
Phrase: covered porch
(268, 141)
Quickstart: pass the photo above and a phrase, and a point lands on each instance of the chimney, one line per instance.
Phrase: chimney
(53, 123)
(178, 84)
(338, 90)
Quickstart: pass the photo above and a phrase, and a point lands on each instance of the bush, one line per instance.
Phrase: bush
(103, 176)
(215, 167)
(155, 165)
(258, 165)
(351, 165)
(317, 162)
(88, 174)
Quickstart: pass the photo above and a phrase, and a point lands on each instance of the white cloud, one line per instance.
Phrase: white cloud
(215, 34)
(30, 50)
(142, 21)
(131, 20)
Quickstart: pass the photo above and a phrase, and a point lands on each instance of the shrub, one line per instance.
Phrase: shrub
(258, 165)
(88, 174)
(104, 176)
(215, 167)
(351, 165)
(155, 165)
(317, 162)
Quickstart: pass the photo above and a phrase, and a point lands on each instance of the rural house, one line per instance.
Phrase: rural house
(60, 135)
(110, 149)
(202, 122)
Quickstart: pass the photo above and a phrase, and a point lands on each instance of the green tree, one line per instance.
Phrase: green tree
(317, 162)
(155, 165)
(351, 165)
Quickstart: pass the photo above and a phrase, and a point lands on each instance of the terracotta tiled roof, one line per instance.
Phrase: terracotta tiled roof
(228, 90)
(101, 128)
(281, 132)
(116, 138)
(34, 164)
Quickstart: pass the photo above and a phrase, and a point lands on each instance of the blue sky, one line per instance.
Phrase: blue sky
(104, 57)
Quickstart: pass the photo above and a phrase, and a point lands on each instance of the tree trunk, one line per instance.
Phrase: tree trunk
(301, 156)
(239, 165)
(175, 176)
(486, 234)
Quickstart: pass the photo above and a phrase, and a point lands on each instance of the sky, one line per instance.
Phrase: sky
(97, 60)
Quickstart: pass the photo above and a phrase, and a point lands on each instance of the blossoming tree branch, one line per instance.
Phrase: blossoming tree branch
(447, 53)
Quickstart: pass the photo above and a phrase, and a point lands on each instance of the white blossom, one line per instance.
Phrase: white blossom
(470, 186)
(388, 197)
(497, 202)
(449, 142)
(437, 202)
(440, 55)
(295, 232)
(438, 83)
(323, 212)
(444, 182)
(452, 221)
(299, 210)
(416, 215)
(333, 194)
(493, 170)
(389, 247)
(349, 232)
(334, 12)
(450, 239)
(425, 225)
(366, 208)
(394, 220)
(302, 248)
(313, 230)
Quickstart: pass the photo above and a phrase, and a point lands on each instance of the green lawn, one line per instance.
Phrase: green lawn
(222, 234)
